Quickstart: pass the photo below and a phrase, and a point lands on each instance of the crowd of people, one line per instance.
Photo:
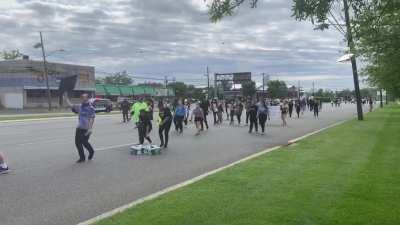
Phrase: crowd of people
(182, 111)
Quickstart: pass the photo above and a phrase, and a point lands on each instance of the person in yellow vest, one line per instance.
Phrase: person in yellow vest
(136, 108)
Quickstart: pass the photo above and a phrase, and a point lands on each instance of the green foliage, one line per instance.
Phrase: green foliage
(377, 31)
(249, 89)
(10, 55)
(221, 8)
(180, 88)
(277, 89)
(120, 78)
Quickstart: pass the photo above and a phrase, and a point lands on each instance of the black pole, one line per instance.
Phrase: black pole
(45, 72)
(386, 97)
(381, 97)
(353, 61)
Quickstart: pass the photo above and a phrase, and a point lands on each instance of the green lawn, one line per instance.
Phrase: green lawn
(349, 174)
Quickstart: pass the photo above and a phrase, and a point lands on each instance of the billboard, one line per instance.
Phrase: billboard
(240, 78)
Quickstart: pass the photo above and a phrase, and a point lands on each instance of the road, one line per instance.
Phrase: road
(46, 187)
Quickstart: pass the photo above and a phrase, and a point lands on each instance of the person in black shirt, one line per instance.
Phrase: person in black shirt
(165, 121)
(298, 107)
(125, 107)
(316, 109)
(204, 106)
(290, 108)
(144, 127)
(252, 111)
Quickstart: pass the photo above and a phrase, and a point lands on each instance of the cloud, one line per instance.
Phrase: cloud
(175, 38)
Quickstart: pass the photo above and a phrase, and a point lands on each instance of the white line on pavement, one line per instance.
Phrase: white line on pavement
(112, 147)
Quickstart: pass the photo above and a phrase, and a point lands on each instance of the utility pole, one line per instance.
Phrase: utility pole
(45, 71)
(166, 84)
(208, 82)
(313, 89)
(350, 43)
(263, 90)
(298, 90)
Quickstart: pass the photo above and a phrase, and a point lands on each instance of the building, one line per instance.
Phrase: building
(23, 84)
(113, 92)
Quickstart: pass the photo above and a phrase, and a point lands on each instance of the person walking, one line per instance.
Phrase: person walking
(220, 112)
(179, 116)
(86, 113)
(298, 108)
(187, 110)
(263, 114)
(252, 111)
(239, 111)
(164, 125)
(214, 109)
(144, 127)
(198, 115)
(316, 109)
(290, 108)
(3, 165)
(371, 104)
(284, 111)
(227, 109)
(204, 105)
(232, 112)
(125, 107)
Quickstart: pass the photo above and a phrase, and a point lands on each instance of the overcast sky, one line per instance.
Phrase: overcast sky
(175, 38)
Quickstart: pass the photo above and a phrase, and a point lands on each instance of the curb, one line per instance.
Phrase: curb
(198, 178)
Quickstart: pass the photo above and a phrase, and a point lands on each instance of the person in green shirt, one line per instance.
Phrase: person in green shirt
(137, 107)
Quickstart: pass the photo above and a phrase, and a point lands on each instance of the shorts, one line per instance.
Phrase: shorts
(198, 119)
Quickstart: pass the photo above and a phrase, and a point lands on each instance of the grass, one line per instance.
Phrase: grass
(349, 174)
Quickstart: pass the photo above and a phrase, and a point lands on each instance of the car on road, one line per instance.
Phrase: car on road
(102, 104)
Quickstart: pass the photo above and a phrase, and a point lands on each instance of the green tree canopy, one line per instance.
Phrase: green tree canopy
(120, 78)
(249, 89)
(10, 55)
(277, 89)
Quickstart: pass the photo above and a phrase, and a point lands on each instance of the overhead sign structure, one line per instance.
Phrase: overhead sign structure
(240, 78)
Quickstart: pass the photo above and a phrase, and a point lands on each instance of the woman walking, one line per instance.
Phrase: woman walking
(198, 115)
(284, 111)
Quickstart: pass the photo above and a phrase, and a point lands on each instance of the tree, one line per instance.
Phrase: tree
(99, 80)
(377, 31)
(277, 89)
(179, 88)
(120, 78)
(321, 13)
(249, 89)
(10, 55)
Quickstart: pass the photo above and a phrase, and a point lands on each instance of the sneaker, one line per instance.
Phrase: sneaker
(90, 157)
(4, 170)
(80, 161)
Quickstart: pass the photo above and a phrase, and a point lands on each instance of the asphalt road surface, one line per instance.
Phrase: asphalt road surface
(46, 187)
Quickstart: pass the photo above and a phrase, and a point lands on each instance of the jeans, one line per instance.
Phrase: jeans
(82, 140)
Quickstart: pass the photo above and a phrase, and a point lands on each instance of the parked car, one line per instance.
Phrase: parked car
(102, 104)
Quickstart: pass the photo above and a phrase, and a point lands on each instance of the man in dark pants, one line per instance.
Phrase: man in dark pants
(290, 108)
(252, 111)
(204, 106)
(125, 107)
(83, 131)
(164, 122)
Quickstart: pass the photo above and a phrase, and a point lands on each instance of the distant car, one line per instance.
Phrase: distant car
(102, 104)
